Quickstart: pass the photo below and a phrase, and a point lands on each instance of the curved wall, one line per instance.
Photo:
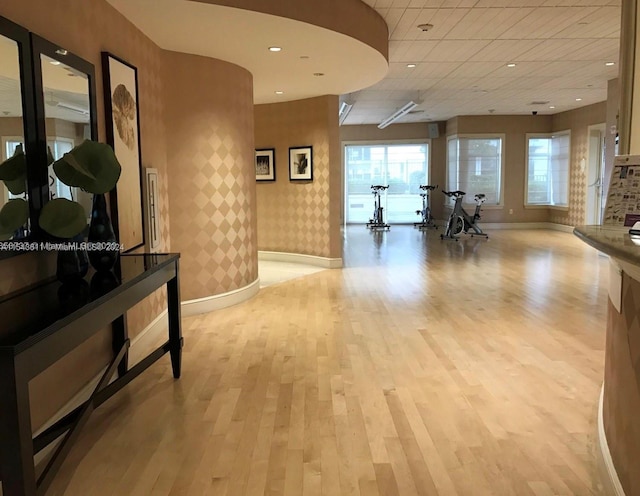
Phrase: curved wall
(303, 216)
(336, 15)
(211, 173)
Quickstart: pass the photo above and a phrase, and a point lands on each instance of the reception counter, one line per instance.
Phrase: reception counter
(619, 413)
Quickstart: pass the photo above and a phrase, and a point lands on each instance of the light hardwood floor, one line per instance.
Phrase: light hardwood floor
(425, 367)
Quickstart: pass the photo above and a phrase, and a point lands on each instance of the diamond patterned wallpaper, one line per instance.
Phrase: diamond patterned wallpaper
(622, 385)
(211, 173)
(577, 121)
(301, 217)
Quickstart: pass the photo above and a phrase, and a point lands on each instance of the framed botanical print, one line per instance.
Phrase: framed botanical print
(301, 163)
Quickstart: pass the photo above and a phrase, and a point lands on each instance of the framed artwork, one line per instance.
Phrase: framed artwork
(301, 163)
(123, 134)
(266, 164)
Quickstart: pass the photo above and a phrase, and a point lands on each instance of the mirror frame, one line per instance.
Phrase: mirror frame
(20, 35)
(40, 46)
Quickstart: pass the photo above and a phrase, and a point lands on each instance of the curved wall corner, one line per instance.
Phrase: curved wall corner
(208, 111)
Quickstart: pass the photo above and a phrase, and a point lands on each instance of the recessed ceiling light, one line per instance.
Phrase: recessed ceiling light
(279, 92)
(425, 27)
(578, 99)
(411, 66)
(61, 51)
(55, 62)
(275, 49)
(609, 63)
(511, 64)
(552, 106)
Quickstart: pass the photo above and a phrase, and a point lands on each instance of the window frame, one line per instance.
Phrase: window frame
(380, 142)
(534, 206)
(503, 139)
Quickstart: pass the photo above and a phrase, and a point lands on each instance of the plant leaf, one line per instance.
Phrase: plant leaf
(63, 218)
(14, 168)
(91, 166)
(16, 186)
(13, 215)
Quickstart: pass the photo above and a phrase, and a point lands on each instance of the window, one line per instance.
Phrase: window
(474, 165)
(548, 169)
(403, 167)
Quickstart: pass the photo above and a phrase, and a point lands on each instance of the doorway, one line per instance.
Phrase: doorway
(595, 175)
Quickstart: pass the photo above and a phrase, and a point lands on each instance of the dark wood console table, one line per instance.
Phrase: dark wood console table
(41, 324)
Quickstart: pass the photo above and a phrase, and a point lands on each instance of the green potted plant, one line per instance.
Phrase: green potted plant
(15, 212)
(90, 166)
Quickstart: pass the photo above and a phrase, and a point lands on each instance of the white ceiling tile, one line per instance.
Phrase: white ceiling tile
(559, 46)
(475, 69)
(486, 24)
(505, 50)
(603, 22)
(443, 21)
(456, 50)
(546, 22)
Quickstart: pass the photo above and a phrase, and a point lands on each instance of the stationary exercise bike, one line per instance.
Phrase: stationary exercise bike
(460, 220)
(377, 223)
(427, 219)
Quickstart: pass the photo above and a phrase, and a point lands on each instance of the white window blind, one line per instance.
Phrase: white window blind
(548, 166)
(474, 165)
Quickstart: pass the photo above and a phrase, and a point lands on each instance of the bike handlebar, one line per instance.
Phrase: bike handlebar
(426, 187)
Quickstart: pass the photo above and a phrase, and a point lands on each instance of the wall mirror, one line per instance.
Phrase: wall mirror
(66, 110)
(17, 133)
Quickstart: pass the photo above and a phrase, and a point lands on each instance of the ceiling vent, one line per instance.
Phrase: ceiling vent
(539, 102)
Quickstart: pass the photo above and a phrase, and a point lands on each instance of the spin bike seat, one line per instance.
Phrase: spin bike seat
(378, 187)
(454, 193)
(426, 187)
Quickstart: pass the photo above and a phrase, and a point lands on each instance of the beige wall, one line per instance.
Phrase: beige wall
(578, 122)
(514, 128)
(210, 154)
(412, 131)
(301, 217)
(11, 127)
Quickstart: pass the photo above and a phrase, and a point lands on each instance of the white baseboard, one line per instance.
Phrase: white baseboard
(217, 302)
(526, 225)
(280, 256)
(611, 481)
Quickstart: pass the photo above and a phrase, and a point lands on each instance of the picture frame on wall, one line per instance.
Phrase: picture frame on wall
(301, 163)
(266, 164)
(122, 111)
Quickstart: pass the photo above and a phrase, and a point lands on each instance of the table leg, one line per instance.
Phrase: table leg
(175, 331)
(120, 334)
(16, 446)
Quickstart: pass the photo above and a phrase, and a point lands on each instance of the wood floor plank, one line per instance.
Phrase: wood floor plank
(424, 367)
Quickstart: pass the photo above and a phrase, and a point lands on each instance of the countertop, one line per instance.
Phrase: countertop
(612, 241)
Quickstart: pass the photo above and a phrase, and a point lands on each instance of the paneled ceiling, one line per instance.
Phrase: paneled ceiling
(559, 48)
